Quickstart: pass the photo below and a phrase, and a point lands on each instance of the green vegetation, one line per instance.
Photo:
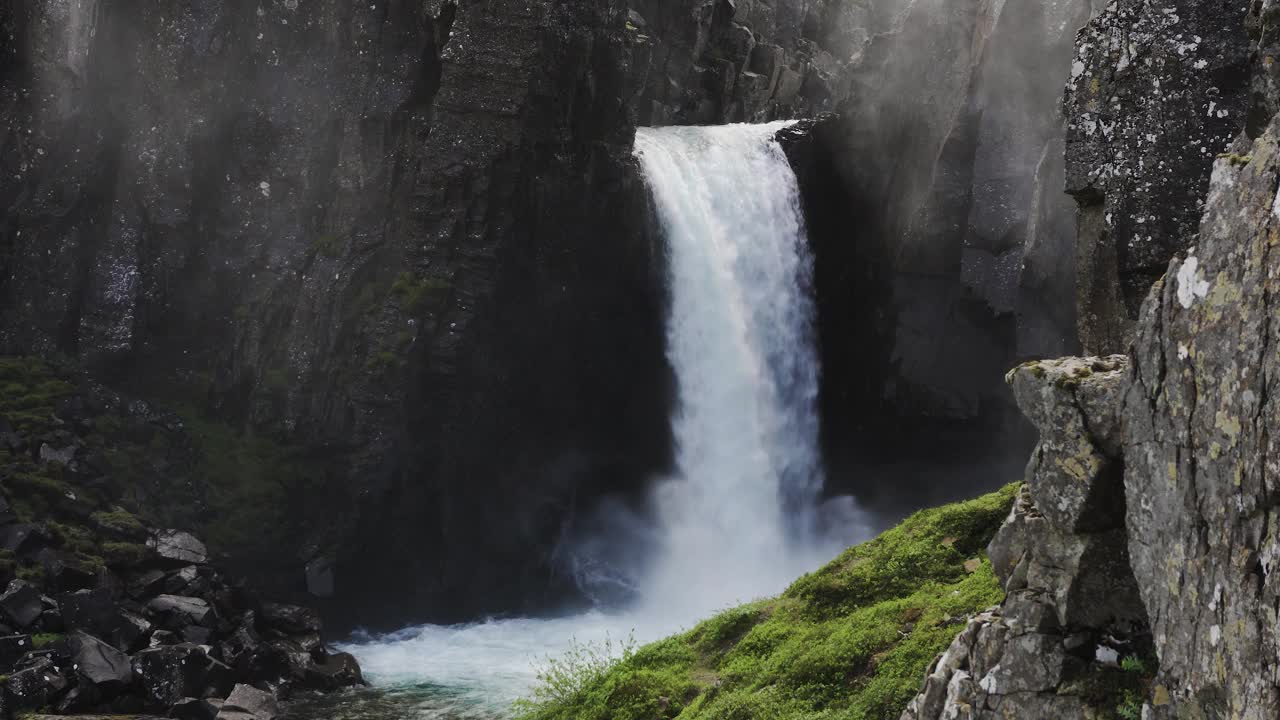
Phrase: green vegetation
(250, 481)
(30, 390)
(118, 522)
(124, 554)
(412, 292)
(41, 640)
(850, 641)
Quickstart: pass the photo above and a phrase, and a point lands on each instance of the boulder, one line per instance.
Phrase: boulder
(147, 585)
(196, 709)
(36, 686)
(178, 548)
(100, 664)
(97, 614)
(13, 647)
(177, 611)
(21, 603)
(23, 539)
(332, 672)
(249, 703)
(169, 673)
(290, 619)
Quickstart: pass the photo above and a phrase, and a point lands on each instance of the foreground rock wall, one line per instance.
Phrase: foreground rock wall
(1072, 611)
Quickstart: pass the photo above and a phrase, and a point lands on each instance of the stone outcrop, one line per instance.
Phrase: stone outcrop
(1158, 88)
(1072, 610)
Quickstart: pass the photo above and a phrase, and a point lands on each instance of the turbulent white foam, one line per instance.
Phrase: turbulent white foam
(739, 519)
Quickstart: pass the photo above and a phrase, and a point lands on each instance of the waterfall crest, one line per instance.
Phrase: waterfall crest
(738, 518)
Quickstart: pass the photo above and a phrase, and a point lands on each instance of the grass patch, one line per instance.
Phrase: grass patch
(118, 523)
(850, 641)
(30, 391)
(41, 640)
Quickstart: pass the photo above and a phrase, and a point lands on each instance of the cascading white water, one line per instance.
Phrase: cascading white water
(738, 520)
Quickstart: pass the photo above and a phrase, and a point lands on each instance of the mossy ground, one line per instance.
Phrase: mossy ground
(851, 641)
(235, 489)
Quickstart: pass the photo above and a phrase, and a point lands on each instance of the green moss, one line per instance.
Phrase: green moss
(851, 640)
(30, 391)
(40, 640)
(124, 554)
(253, 484)
(412, 292)
(73, 538)
(1236, 159)
(33, 574)
(119, 523)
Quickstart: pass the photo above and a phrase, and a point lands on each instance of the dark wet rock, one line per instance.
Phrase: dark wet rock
(290, 619)
(13, 647)
(23, 539)
(182, 548)
(249, 703)
(168, 674)
(99, 663)
(333, 672)
(37, 685)
(95, 612)
(195, 709)
(148, 584)
(320, 577)
(21, 603)
(176, 612)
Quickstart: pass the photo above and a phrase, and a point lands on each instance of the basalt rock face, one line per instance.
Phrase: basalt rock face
(946, 253)
(370, 231)
(1158, 90)
(403, 240)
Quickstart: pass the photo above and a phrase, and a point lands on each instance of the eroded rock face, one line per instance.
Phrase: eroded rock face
(1201, 451)
(1072, 606)
(1158, 88)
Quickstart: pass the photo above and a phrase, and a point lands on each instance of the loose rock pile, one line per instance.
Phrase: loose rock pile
(172, 635)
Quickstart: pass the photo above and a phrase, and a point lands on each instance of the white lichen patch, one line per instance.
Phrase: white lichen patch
(1190, 284)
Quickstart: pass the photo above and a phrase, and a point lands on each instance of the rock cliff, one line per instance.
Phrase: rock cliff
(403, 246)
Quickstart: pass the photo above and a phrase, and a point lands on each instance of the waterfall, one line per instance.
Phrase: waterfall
(740, 516)
(737, 519)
